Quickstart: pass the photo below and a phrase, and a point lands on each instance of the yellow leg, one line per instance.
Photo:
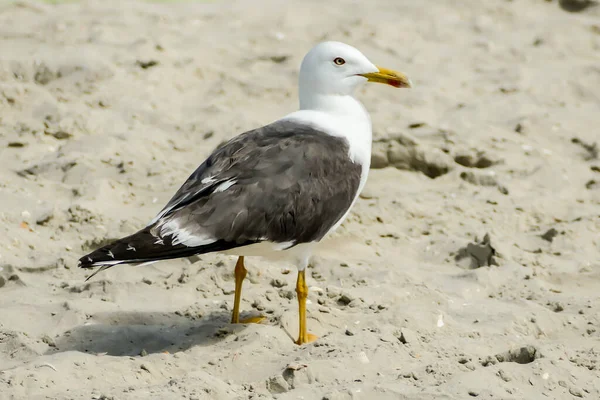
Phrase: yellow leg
(302, 291)
(240, 274)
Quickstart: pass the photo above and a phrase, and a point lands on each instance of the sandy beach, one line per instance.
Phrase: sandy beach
(469, 267)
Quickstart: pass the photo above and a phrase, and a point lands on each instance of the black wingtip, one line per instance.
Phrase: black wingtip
(102, 268)
(141, 247)
(85, 262)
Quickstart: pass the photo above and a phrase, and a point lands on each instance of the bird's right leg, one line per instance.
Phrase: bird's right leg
(302, 292)
(240, 273)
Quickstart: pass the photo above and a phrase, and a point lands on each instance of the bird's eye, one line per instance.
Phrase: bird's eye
(339, 61)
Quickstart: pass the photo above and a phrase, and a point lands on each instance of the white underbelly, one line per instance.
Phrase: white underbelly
(298, 255)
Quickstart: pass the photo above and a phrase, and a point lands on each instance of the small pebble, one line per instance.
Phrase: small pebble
(362, 357)
(286, 294)
(345, 299)
(278, 283)
(575, 392)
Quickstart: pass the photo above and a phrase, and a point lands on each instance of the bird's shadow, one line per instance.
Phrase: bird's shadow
(139, 333)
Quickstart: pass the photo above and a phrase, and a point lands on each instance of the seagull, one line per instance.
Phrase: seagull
(274, 191)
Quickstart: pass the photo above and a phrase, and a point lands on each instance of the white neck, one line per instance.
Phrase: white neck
(330, 103)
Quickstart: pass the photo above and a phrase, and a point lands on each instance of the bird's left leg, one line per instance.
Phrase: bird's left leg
(240, 273)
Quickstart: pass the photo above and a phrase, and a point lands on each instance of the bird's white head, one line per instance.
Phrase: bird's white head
(334, 68)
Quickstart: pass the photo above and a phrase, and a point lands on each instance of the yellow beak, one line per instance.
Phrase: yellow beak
(389, 77)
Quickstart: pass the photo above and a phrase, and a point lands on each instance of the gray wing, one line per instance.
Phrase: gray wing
(285, 182)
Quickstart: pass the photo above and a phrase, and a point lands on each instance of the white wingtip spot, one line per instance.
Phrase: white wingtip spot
(110, 254)
(188, 239)
(225, 185)
(131, 248)
(183, 236)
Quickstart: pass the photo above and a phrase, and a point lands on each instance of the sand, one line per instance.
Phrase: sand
(470, 266)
